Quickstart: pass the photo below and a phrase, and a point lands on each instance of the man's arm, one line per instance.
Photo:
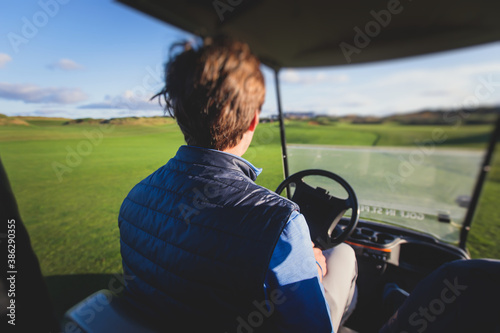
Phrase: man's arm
(294, 273)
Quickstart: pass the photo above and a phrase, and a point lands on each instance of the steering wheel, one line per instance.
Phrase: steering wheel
(322, 210)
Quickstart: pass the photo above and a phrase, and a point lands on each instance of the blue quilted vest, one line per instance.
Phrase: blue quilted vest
(196, 239)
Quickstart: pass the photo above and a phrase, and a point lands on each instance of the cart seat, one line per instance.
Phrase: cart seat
(103, 312)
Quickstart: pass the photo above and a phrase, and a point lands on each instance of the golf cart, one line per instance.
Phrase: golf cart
(407, 223)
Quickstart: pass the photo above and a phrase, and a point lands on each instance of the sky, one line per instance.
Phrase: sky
(101, 59)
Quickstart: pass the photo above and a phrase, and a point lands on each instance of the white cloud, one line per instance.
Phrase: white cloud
(441, 78)
(127, 101)
(391, 88)
(65, 65)
(309, 77)
(290, 76)
(440, 87)
(30, 93)
(4, 58)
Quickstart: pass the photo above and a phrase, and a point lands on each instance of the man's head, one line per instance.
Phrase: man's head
(215, 92)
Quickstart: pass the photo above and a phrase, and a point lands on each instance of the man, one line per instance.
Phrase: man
(207, 248)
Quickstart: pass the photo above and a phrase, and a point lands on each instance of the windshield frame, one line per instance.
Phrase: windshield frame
(483, 170)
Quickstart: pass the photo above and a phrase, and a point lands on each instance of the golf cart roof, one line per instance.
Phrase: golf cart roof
(326, 33)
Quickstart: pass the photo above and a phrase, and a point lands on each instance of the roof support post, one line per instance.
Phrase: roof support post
(485, 168)
(282, 129)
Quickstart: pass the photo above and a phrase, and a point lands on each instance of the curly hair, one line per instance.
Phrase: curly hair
(213, 91)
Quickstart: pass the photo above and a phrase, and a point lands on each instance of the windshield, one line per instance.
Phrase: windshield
(409, 137)
(426, 190)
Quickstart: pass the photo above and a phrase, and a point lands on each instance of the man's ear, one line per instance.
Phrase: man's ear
(254, 122)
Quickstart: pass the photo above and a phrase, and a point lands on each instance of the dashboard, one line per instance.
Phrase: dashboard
(390, 255)
(399, 247)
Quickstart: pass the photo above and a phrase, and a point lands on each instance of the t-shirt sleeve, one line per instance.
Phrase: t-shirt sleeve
(293, 275)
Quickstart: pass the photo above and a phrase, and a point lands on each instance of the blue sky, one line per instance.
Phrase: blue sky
(68, 58)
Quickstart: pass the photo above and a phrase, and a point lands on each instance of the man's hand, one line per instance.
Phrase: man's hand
(321, 260)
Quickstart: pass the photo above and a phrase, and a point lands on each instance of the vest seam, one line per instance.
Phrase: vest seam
(211, 179)
(238, 170)
(180, 220)
(167, 270)
(274, 194)
(167, 242)
(174, 192)
(137, 276)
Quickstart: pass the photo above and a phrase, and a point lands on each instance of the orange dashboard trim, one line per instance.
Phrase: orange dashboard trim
(369, 247)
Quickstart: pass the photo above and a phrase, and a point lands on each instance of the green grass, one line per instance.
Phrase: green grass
(385, 134)
(72, 218)
(485, 231)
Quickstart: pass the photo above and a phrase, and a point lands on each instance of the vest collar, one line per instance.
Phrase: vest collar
(212, 157)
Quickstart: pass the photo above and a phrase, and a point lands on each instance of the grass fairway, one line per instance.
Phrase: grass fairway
(71, 214)
(70, 181)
